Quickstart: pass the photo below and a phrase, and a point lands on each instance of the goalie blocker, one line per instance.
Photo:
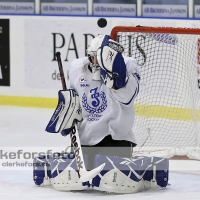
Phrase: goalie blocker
(67, 112)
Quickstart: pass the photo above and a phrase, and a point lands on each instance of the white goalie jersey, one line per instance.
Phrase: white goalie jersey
(105, 111)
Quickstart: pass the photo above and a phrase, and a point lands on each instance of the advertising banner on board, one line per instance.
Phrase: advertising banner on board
(64, 8)
(71, 37)
(114, 9)
(153, 10)
(46, 37)
(17, 7)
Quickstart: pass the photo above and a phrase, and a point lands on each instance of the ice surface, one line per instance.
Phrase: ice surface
(24, 128)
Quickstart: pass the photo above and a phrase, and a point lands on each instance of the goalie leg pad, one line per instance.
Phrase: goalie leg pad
(60, 172)
(65, 174)
(116, 177)
(124, 175)
(157, 175)
(42, 171)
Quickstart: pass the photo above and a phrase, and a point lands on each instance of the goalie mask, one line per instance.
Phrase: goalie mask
(95, 44)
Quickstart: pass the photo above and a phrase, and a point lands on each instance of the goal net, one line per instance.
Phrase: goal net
(167, 107)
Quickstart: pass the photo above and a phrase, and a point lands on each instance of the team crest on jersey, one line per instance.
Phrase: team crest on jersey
(98, 104)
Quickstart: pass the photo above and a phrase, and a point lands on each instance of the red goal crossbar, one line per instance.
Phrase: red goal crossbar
(146, 29)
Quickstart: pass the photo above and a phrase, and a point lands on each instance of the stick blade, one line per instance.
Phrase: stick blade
(88, 175)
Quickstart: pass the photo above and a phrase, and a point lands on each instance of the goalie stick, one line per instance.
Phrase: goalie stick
(84, 175)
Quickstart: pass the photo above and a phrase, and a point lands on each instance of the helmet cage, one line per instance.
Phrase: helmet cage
(92, 57)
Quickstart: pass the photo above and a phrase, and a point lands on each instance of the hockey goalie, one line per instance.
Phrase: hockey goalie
(100, 100)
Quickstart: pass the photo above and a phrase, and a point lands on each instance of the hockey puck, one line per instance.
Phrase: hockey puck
(102, 22)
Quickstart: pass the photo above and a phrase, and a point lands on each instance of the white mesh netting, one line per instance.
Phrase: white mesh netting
(168, 105)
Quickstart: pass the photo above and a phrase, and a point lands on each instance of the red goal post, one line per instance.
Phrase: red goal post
(167, 107)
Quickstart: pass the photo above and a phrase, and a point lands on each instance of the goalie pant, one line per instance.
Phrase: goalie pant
(120, 175)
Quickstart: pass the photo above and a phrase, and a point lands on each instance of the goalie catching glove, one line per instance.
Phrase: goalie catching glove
(67, 112)
(113, 68)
